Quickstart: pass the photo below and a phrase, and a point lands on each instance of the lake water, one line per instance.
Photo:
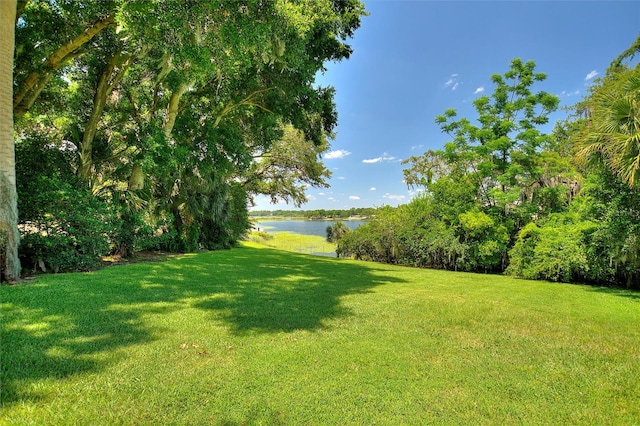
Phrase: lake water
(306, 227)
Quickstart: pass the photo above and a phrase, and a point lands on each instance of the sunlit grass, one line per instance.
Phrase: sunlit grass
(291, 241)
(261, 336)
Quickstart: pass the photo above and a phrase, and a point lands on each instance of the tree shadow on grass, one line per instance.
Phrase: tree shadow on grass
(620, 292)
(68, 324)
(283, 293)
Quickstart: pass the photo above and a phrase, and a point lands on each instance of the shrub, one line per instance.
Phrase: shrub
(63, 226)
(431, 244)
(487, 240)
(554, 251)
(336, 231)
(360, 244)
(375, 240)
(73, 236)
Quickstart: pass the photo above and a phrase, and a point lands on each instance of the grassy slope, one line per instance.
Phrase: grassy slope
(260, 336)
(291, 241)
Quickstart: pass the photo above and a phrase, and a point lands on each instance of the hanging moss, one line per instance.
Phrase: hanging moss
(136, 181)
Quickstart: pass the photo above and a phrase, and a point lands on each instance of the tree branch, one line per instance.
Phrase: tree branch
(249, 100)
(29, 90)
(111, 75)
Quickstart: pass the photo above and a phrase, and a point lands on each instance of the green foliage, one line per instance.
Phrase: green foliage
(337, 231)
(425, 239)
(292, 164)
(596, 241)
(158, 237)
(131, 227)
(613, 132)
(614, 249)
(501, 186)
(225, 231)
(500, 157)
(422, 234)
(376, 240)
(502, 193)
(174, 115)
(361, 244)
(63, 227)
(490, 179)
(555, 250)
(412, 234)
(486, 241)
(495, 180)
(72, 236)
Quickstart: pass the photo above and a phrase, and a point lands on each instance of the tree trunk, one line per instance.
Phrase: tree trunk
(173, 109)
(9, 236)
(109, 78)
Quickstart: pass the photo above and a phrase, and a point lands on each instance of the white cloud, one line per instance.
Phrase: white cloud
(321, 193)
(591, 75)
(384, 157)
(479, 90)
(453, 82)
(394, 197)
(331, 199)
(372, 160)
(338, 153)
(574, 93)
(354, 197)
(340, 177)
(373, 188)
(414, 147)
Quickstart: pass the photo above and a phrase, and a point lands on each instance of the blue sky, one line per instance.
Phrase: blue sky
(414, 59)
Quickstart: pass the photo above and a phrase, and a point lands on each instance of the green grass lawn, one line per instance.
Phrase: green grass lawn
(260, 336)
(292, 241)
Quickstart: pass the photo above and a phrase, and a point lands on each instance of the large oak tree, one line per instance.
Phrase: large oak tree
(183, 108)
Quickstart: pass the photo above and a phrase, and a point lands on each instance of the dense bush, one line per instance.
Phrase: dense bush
(431, 244)
(503, 195)
(555, 250)
(376, 240)
(613, 247)
(360, 244)
(64, 227)
(73, 235)
(486, 239)
(424, 233)
(336, 231)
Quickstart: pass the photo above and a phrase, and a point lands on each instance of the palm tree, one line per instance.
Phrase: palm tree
(9, 236)
(613, 129)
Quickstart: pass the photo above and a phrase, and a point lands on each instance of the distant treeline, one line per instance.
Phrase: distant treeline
(316, 214)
